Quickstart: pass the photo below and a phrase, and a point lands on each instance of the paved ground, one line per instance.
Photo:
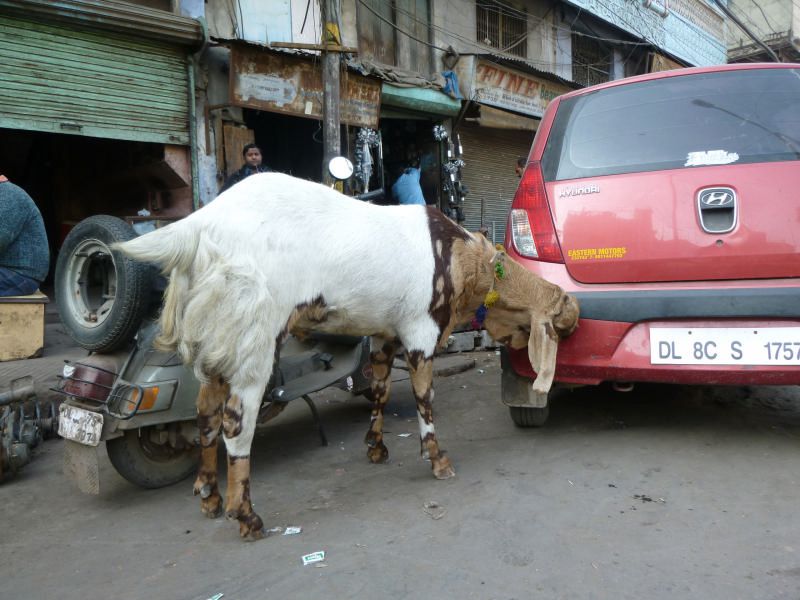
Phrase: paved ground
(665, 492)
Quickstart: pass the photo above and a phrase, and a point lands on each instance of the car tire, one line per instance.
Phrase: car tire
(149, 465)
(514, 389)
(528, 416)
(101, 294)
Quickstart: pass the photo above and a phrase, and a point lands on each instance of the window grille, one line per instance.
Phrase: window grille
(591, 61)
(502, 27)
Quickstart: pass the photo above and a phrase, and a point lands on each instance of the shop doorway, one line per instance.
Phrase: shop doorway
(73, 177)
(408, 139)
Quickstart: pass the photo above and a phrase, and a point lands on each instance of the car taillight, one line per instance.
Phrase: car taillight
(532, 231)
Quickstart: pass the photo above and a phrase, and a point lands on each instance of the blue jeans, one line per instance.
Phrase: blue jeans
(14, 284)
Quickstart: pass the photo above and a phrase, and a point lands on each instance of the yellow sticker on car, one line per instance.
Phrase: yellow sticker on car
(597, 253)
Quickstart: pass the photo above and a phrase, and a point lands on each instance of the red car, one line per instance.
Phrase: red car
(669, 205)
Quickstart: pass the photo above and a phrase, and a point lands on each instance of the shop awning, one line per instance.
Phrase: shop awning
(424, 100)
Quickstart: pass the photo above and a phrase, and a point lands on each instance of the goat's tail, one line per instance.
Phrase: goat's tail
(173, 249)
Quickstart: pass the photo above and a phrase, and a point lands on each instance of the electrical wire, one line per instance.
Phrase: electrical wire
(763, 14)
(403, 31)
(744, 28)
(490, 49)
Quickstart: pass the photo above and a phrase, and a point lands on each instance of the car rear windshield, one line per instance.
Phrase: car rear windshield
(730, 117)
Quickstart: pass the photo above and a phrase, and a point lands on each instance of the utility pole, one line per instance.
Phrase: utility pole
(331, 62)
(331, 49)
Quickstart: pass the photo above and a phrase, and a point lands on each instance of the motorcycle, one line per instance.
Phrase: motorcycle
(140, 402)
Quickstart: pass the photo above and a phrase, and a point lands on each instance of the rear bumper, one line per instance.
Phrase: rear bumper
(635, 306)
(620, 351)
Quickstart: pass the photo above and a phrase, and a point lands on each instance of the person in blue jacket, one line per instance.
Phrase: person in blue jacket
(407, 189)
(24, 252)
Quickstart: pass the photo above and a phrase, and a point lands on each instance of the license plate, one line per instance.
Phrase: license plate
(725, 346)
(80, 425)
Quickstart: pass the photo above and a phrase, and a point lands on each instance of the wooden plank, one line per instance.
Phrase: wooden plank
(303, 46)
(21, 330)
(235, 138)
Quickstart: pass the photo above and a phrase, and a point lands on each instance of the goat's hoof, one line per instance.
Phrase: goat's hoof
(442, 469)
(379, 454)
(211, 507)
(251, 528)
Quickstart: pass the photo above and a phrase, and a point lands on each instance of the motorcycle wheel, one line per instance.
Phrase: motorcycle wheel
(101, 295)
(150, 465)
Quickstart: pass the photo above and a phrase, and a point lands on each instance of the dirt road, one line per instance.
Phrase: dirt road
(664, 492)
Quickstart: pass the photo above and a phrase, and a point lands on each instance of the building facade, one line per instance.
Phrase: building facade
(141, 108)
(775, 23)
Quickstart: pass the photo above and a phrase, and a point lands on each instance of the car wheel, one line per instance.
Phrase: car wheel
(147, 464)
(528, 416)
(515, 390)
(101, 295)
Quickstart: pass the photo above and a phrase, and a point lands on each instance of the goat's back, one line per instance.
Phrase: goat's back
(272, 242)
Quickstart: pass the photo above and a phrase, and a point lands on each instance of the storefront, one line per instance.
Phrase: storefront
(497, 128)
(95, 108)
(490, 155)
(274, 99)
(411, 118)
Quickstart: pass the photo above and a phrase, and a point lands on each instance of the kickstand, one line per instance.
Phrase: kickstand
(314, 412)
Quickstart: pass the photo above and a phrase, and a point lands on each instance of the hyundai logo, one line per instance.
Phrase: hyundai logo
(717, 198)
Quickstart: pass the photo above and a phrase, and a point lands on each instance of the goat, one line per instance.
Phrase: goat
(276, 255)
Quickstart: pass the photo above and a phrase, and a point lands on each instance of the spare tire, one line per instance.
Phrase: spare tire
(101, 294)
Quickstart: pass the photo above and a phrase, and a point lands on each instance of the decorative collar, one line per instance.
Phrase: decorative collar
(492, 295)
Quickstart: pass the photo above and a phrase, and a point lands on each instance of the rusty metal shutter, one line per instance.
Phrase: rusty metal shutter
(490, 156)
(116, 16)
(64, 79)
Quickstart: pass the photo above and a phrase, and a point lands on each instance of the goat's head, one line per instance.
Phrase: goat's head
(529, 303)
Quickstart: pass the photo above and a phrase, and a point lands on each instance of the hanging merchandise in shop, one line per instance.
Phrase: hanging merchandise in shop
(292, 85)
(366, 162)
(455, 190)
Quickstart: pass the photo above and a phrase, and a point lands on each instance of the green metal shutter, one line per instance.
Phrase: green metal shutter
(82, 82)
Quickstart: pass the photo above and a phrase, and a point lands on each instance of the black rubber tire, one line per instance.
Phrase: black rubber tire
(147, 466)
(101, 295)
(514, 389)
(527, 416)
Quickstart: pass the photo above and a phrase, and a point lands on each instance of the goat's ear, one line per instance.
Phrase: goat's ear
(542, 348)
(565, 319)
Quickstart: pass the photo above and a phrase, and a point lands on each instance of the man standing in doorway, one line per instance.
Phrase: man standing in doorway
(252, 165)
(24, 253)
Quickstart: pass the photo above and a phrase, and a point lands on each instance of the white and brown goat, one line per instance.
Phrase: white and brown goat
(276, 254)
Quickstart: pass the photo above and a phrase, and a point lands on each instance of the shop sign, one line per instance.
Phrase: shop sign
(293, 85)
(506, 88)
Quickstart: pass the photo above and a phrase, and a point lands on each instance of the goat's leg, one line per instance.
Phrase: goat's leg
(238, 426)
(421, 368)
(381, 357)
(210, 400)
